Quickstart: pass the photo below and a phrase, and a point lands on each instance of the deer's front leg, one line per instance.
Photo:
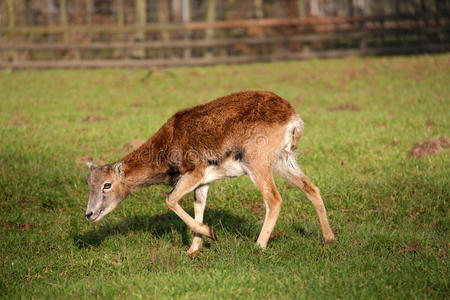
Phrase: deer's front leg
(186, 184)
(199, 208)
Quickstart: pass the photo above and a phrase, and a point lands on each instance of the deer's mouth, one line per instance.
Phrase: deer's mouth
(95, 216)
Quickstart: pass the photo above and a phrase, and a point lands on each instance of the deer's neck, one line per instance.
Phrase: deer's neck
(149, 163)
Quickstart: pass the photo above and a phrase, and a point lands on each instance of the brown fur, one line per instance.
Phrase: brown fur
(211, 132)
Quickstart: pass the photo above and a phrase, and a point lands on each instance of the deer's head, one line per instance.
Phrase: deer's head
(106, 189)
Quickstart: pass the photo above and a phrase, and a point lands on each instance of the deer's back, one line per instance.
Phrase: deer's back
(220, 128)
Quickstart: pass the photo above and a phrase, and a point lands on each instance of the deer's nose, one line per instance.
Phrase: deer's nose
(89, 215)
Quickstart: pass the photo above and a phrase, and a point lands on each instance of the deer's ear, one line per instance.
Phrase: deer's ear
(90, 164)
(119, 169)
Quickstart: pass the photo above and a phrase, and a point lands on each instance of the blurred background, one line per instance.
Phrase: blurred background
(156, 33)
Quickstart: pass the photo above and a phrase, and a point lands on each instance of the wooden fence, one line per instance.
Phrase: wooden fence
(234, 41)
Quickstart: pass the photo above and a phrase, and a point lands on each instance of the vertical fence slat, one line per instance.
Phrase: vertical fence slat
(63, 19)
(11, 24)
(258, 8)
(121, 23)
(186, 14)
(141, 19)
(163, 17)
(210, 18)
(89, 11)
(301, 9)
(11, 17)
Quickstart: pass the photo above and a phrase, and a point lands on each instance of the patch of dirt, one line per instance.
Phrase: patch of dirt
(138, 104)
(430, 124)
(345, 107)
(19, 122)
(133, 145)
(394, 142)
(90, 107)
(299, 100)
(91, 118)
(24, 227)
(430, 147)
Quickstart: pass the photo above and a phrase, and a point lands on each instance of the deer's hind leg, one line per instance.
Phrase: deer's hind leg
(286, 166)
(262, 177)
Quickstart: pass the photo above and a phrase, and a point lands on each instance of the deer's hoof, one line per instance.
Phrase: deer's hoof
(212, 234)
(329, 239)
(192, 253)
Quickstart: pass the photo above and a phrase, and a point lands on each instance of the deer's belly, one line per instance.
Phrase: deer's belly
(227, 169)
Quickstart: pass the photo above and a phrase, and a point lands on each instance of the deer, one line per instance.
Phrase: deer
(252, 133)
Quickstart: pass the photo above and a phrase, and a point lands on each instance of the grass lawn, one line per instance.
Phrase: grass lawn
(390, 212)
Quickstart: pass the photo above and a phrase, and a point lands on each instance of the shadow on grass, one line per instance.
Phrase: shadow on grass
(159, 225)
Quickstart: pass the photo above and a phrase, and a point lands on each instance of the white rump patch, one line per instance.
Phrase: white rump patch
(294, 130)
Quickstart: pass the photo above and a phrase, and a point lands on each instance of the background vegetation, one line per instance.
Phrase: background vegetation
(389, 211)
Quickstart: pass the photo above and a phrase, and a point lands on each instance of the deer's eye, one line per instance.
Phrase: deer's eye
(107, 186)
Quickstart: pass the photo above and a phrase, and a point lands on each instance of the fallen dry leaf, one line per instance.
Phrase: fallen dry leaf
(138, 104)
(275, 235)
(412, 247)
(93, 118)
(345, 107)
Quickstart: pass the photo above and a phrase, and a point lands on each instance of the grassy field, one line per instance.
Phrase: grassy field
(390, 212)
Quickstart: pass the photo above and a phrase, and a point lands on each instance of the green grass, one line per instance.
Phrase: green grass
(379, 200)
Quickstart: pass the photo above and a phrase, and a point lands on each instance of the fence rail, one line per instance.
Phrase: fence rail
(256, 40)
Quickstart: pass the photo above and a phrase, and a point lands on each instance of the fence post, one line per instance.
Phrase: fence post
(363, 41)
(11, 19)
(120, 22)
(210, 18)
(301, 9)
(63, 19)
(141, 13)
(163, 17)
(186, 14)
(89, 10)
(258, 9)
(11, 22)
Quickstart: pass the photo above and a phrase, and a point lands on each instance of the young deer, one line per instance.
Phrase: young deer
(253, 133)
